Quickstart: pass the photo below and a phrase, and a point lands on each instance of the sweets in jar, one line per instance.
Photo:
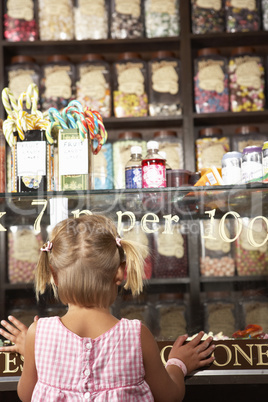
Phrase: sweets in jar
(130, 87)
(246, 80)
(242, 16)
(162, 18)
(164, 84)
(211, 82)
(126, 19)
(55, 20)
(207, 16)
(216, 254)
(251, 248)
(171, 316)
(91, 19)
(255, 311)
(264, 13)
(246, 136)
(103, 177)
(220, 316)
(93, 87)
(20, 21)
(172, 145)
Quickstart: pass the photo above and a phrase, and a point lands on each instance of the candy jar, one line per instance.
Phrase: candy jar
(22, 71)
(20, 21)
(162, 19)
(250, 256)
(103, 178)
(246, 136)
(164, 84)
(216, 254)
(93, 84)
(2, 162)
(242, 16)
(220, 313)
(211, 82)
(265, 14)
(126, 19)
(170, 258)
(210, 148)
(171, 144)
(121, 153)
(171, 316)
(91, 20)
(246, 80)
(207, 16)
(57, 82)
(56, 20)
(130, 88)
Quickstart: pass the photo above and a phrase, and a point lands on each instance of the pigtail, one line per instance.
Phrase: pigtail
(135, 253)
(43, 275)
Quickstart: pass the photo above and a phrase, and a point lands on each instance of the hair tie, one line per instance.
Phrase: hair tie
(47, 246)
(118, 241)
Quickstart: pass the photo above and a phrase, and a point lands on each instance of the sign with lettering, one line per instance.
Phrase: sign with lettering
(11, 364)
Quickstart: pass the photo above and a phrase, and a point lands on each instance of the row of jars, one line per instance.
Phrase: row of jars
(138, 87)
(82, 19)
(229, 16)
(236, 83)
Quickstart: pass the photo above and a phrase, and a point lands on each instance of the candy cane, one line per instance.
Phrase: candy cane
(55, 116)
(9, 102)
(76, 104)
(9, 126)
(33, 94)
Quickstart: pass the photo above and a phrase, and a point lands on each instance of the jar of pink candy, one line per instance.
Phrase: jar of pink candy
(20, 21)
(211, 82)
(246, 80)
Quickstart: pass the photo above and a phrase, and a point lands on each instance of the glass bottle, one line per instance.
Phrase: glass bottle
(207, 16)
(133, 168)
(153, 167)
(20, 21)
(164, 156)
(162, 18)
(246, 80)
(211, 82)
(242, 16)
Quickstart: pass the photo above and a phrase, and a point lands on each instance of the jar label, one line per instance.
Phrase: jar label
(153, 176)
(212, 4)
(165, 79)
(160, 6)
(174, 154)
(259, 235)
(133, 178)
(171, 245)
(132, 7)
(249, 74)
(60, 8)
(93, 84)
(216, 244)
(211, 76)
(210, 153)
(19, 80)
(131, 81)
(19, 9)
(58, 82)
(31, 158)
(96, 8)
(249, 4)
(26, 245)
(73, 157)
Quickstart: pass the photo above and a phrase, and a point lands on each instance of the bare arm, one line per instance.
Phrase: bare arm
(29, 374)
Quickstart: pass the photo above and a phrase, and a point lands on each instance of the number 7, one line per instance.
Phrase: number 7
(37, 227)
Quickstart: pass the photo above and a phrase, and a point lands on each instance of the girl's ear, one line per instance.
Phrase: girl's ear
(54, 275)
(120, 273)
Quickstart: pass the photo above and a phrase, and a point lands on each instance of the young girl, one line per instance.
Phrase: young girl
(88, 354)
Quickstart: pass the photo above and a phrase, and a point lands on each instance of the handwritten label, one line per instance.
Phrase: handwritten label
(31, 158)
(73, 157)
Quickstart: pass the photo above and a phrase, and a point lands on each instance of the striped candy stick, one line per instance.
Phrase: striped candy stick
(9, 127)
(9, 102)
(55, 116)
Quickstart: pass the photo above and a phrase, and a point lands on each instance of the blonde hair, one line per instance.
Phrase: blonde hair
(85, 257)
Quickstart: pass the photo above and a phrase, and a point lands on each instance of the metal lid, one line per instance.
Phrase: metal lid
(247, 130)
(129, 135)
(210, 131)
(231, 155)
(252, 148)
(208, 51)
(165, 134)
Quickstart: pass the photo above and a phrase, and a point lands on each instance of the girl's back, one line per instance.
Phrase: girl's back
(107, 368)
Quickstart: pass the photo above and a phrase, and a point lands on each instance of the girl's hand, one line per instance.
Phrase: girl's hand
(194, 354)
(15, 333)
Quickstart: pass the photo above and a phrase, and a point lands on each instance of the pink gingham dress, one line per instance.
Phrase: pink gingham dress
(107, 368)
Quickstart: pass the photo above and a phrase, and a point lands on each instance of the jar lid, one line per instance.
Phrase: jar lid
(231, 155)
(243, 50)
(252, 148)
(129, 56)
(265, 145)
(171, 296)
(162, 54)
(152, 145)
(165, 133)
(22, 59)
(247, 130)
(208, 51)
(92, 57)
(210, 131)
(56, 58)
(129, 135)
(135, 149)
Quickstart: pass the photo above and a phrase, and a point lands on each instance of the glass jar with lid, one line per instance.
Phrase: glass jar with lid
(210, 148)
(162, 18)
(211, 81)
(265, 14)
(242, 16)
(207, 16)
(56, 21)
(164, 84)
(103, 176)
(126, 19)
(246, 136)
(22, 72)
(121, 154)
(171, 144)
(130, 86)
(20, 21)
(57, 82)
(246, 80)
(91, 19)
(93, 83)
